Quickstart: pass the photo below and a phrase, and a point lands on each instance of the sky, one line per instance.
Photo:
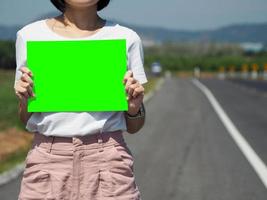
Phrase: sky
(171, 14)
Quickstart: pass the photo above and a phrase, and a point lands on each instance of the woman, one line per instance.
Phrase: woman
(80, 155)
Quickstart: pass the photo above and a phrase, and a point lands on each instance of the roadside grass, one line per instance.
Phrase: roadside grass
(150, 84)
(14, 147)
(15, 141)
(13, 159)
(8, 101)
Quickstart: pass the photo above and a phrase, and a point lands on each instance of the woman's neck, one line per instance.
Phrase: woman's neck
(82, 18)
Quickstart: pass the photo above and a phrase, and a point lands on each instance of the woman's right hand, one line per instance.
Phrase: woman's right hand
(23, 87)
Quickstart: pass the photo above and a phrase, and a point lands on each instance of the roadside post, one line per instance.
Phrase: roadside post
(232, 73)
(265, 72)
(221, 74)
(244, 71)
(197, 72)
(254, 73)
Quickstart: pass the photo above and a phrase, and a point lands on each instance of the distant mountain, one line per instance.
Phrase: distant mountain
(240, 33)
(233, 33)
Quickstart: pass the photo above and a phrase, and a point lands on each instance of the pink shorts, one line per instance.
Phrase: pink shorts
(98, 166)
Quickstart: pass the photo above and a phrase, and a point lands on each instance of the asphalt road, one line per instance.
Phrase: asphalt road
(184, 151)
(246, 103)
(260, 86)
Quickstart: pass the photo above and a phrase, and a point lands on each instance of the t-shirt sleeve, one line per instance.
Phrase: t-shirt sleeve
(20, 56)
(136, 59)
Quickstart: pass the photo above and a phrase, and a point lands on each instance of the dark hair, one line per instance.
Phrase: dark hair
(61, 5)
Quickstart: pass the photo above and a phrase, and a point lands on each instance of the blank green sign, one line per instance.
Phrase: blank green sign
(77, 75)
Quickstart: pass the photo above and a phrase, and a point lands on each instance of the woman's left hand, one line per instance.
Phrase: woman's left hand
(135, 93)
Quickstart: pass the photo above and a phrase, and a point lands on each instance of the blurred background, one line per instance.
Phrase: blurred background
(206, 128)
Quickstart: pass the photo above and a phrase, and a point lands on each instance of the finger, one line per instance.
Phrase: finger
(30, 92)
(25, 77)
(129, 82)
(23, 91)
(26, 70)
(132, 88)
(29, 89)
(20, 96)
(26, 90)
(25, 85)
(138, 91)
(128, 75)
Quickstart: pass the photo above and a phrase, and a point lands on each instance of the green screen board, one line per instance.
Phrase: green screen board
(77, 75)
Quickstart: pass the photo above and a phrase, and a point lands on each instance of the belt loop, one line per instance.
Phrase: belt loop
(51, 143)
(100, 140)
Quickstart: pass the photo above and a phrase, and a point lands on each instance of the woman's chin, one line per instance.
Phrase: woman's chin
(81, 4)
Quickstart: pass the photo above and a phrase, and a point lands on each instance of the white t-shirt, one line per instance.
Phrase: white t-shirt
(69, 124)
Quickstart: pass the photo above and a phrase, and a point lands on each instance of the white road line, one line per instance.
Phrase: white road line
(255, 161)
